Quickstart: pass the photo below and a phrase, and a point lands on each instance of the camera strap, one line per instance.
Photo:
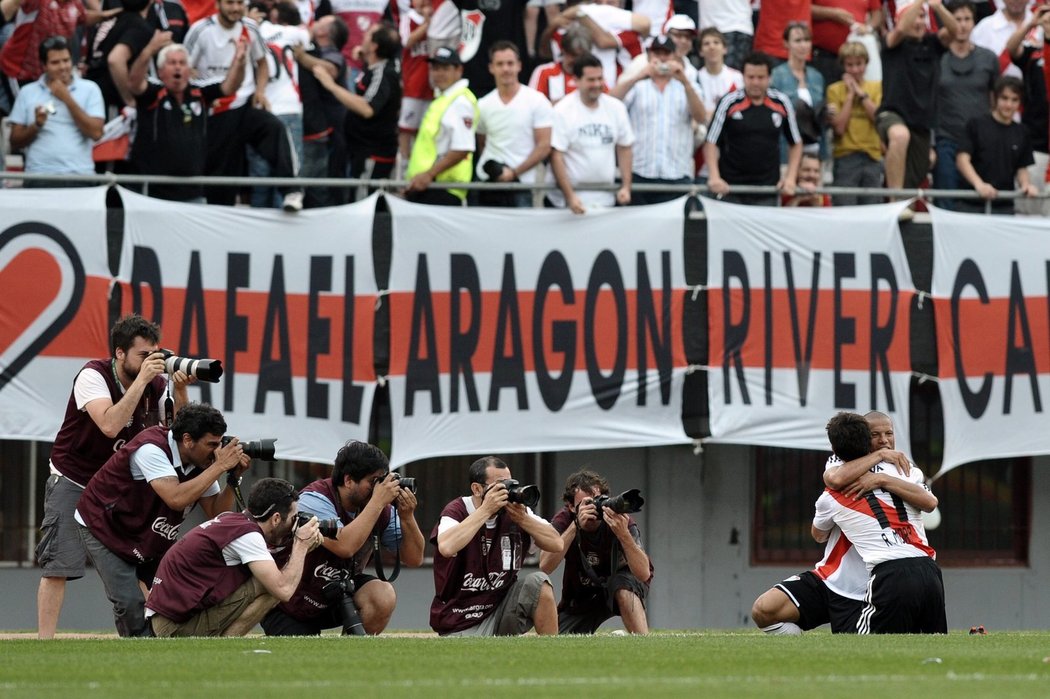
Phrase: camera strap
(234, 484)
(377, 551)
(588, 569)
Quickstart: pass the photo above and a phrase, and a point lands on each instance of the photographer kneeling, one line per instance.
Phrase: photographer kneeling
(220, 579)
(607, 573)
(131, 510)
(361, 503)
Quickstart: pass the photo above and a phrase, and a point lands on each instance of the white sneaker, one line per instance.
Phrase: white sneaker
(293, 202)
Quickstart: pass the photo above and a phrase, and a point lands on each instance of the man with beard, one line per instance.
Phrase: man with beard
(370, 507)
(131, 510)
(221, 578)
(173, 115)
(112, 400)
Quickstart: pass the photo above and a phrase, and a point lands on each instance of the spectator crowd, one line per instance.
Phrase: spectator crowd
(797, 94)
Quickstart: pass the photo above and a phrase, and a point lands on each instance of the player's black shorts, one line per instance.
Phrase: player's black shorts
(817, 605)
(905, 596)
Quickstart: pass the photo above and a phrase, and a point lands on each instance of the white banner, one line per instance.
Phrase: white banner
(286, 302)
(529, 330)
(808, 315)
(55, 279)
(990, 285)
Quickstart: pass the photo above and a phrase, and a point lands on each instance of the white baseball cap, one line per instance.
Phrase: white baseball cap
(683, 22)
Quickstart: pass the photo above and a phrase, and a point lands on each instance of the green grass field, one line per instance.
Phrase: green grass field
(665, 664)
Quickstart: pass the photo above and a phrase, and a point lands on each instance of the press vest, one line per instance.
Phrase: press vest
(424, 152)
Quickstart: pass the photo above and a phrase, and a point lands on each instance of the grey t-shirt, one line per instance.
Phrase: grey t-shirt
(964, 89)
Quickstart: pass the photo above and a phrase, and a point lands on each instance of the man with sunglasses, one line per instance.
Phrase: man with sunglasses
(57, 118)
(173, 114)
(372, 509)
(221, 578)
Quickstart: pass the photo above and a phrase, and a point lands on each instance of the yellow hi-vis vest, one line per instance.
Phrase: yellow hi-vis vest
(424, 151)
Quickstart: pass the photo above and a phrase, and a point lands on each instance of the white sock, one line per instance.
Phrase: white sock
(785, 628)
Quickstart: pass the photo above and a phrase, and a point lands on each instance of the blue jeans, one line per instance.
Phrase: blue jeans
(269, 197)
(945, 174)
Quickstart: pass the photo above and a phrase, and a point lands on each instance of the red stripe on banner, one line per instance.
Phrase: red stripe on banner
(559, 320)
(854, 331)
(32, 281)
(290, 327)
(987, 344)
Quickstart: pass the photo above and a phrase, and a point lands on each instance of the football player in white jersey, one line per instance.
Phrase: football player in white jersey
(905, 591)
(833, 591)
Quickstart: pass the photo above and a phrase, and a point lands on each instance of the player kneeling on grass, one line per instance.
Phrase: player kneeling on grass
(905, 590)
(221, 579)
(833, 591)
(607, 573)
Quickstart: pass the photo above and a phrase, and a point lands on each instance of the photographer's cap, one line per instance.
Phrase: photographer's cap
(662, 43)
(445, 56)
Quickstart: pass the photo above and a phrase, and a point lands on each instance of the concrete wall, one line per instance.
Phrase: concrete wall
(696, 526)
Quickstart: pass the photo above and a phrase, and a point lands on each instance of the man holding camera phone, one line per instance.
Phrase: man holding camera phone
(607, 572)
(221, 578)
(57, 118)
(112, 400)
(130, 512)
(481, 542)
(662, 104)
(361, 504)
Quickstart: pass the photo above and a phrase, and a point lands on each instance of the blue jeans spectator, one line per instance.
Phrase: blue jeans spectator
(269, 197)
(945, 173)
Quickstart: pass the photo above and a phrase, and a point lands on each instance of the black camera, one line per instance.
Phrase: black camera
(493, 169)
(405, 482)
(527, 495)
(340, 594)
(204, 369)
(262, 449)
(624, 503)
(329, 527)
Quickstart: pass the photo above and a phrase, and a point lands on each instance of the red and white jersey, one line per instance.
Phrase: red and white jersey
(282, 90)
(881, 525)
(211, 49)
(842, 569)
(415, 72)
(359, 15)
(551, 80)
(617, 22)
(658, 12)
(715, 87)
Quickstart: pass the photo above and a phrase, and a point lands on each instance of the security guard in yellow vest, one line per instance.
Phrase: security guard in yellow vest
(444, 146)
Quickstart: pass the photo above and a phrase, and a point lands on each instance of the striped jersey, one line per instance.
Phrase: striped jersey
(880, 524)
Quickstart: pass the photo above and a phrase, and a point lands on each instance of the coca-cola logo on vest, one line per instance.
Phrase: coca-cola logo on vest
(164, 528)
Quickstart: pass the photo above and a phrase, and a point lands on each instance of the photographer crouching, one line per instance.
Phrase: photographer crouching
(607, 573)
(362, 504)
(131, 510)
(220, 579)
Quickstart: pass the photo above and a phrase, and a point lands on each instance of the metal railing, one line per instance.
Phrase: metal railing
(396, 186)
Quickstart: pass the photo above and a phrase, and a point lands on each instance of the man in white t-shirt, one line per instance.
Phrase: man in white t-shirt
(112, 400)
(592, 137)
(833, 591)
(905, 591)
(220, 579)
(994, 31)
(514, 131)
